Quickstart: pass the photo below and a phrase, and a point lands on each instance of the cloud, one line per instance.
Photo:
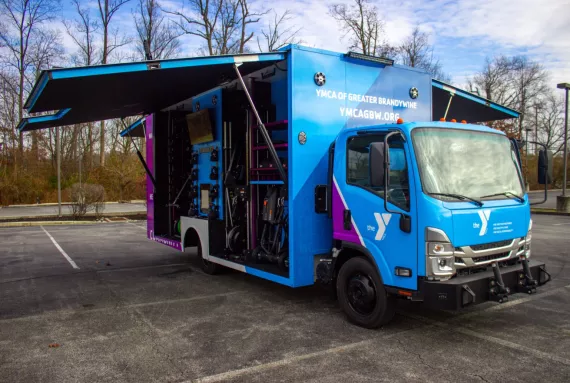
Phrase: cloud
(463, 32)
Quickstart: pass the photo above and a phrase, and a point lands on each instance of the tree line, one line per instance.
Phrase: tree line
(94, 152)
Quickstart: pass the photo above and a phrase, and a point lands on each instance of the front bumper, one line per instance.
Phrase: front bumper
(462, 291)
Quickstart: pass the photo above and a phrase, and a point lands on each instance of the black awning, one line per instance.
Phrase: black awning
(466, 105)
(86, 94)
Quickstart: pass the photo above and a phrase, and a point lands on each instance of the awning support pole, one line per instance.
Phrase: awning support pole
(139, 155)
(448, 104)
(263, 131)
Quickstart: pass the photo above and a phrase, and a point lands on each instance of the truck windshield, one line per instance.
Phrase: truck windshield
(466, 163)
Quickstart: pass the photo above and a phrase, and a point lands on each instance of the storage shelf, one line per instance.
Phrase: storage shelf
(276, 125)
(277, 146)
(271, 182)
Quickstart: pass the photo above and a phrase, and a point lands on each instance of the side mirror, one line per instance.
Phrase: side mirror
(544, 167)
(376, 165)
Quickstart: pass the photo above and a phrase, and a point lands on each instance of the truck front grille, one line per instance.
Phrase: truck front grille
(491, 245)
(477, 256)
(492, 257)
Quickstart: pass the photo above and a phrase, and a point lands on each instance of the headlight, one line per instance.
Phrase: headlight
(528, 240)
(529, 232)
(440, 259)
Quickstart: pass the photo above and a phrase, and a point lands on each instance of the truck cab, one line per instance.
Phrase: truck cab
(437, 208)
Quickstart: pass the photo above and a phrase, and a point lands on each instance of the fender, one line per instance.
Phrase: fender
(362, 250)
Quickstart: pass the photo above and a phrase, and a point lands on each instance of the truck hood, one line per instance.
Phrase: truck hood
(489, 223)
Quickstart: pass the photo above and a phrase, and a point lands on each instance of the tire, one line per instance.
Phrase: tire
(362, 296)
(283, 260)
(207, 266)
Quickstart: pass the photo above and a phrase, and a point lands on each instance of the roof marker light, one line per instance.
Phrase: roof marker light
(442, 119)
(400, 121)
(453, 120)
(463, 122)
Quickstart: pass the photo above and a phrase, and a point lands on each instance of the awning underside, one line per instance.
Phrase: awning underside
(465, 105)
(113, 91)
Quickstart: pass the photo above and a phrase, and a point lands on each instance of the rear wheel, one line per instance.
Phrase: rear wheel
(207, 266)
(361, 294)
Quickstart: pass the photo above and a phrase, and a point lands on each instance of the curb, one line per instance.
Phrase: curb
(55, 216)
(542, 191)
(61, 223)
(54, 204)
(549, 212)
(48, 223)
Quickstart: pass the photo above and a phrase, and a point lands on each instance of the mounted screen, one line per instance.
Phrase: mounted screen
(200, 127)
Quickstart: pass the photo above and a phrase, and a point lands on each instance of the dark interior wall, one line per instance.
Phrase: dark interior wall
(171, 140)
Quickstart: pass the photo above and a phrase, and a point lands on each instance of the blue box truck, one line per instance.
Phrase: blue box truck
(304, 165)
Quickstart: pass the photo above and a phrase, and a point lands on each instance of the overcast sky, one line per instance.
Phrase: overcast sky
(463, 32)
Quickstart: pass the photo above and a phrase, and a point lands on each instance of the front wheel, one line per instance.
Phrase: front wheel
(361, 294)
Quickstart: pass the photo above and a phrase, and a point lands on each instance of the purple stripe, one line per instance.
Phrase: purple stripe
(338, 220)
(149, 186)
(165, 241)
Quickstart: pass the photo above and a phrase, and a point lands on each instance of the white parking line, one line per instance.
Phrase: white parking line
(224, 376)
(73, 264)
(134, 224)
(505, 343)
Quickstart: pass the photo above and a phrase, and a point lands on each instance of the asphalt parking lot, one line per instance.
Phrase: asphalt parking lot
(123, 309)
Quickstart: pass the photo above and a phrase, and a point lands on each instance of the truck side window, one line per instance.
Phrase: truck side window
(357, 172)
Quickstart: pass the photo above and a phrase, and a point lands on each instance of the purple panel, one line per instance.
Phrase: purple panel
(149, 186)
(338, 219)
(165, 241)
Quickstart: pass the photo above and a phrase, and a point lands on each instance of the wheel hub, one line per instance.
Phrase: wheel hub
(361, 294)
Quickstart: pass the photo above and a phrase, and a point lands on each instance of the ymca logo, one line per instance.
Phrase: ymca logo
(382, 220)
(484, 216)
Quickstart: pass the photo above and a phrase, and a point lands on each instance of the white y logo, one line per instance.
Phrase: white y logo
(484, 215)
(382, 221)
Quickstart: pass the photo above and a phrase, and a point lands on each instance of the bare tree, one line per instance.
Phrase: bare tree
(225, 40)
(277, 34)
(364, 25)
(223, 24)
(83, 31)
(515, 82)
(551, 123)
(494, 81)
(155, 31)
(417, 52)
(111, 41)
(23, 20)
(247, 17)
(199, 19)
(529, 84)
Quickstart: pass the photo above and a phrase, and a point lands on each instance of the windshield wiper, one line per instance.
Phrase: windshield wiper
(459, 196)
(506, 194)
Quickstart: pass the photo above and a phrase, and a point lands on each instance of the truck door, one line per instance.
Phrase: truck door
(363, 212)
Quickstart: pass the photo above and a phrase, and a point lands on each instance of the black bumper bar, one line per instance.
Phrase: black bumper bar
(462, 291)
